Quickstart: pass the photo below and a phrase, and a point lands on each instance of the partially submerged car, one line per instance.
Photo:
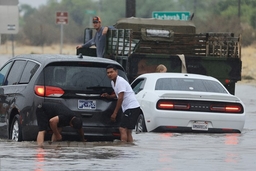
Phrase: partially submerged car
(75, 81)
(179, 102)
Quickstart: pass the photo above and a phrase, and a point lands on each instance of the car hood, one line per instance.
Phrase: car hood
(199, 96)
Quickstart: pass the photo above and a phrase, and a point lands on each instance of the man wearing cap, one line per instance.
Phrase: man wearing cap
(99, 39)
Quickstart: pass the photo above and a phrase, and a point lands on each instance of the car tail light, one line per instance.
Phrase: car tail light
(229, 108)
(169, 105)
(227, 129)
(48, 91)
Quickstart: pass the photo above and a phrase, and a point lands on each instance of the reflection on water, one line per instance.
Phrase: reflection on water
(39, 159)
(231, 139)
(166, 135)
(79, 154)
(232, 156)
(150, 151)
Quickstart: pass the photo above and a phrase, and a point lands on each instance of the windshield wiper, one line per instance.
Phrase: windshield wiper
(103, 89)
(98, 87)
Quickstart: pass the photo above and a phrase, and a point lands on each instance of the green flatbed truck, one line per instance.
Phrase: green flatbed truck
(141, 44)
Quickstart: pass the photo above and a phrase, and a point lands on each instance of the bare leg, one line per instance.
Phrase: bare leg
(40, 138)
(123, 132)
(129, 136)
(54, 126)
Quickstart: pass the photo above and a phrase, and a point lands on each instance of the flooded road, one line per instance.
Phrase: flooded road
(150, 151)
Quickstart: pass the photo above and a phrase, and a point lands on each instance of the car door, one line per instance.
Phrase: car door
(3, 107)
(11, 88)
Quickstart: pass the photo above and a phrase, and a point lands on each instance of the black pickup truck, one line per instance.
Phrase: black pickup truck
(141, 44)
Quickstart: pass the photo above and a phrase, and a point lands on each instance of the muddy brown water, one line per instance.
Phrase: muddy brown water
(150, 151)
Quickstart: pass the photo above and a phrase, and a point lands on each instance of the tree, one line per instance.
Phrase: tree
(37, 26)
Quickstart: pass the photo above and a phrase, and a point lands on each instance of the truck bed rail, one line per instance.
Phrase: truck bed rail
(125, 42)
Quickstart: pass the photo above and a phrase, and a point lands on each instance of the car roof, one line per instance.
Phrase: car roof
(134, 23)
(176, 75)
(48, 58)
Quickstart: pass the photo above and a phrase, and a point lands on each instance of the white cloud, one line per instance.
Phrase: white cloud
(33, 3)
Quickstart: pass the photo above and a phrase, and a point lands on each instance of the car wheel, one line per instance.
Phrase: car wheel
(15, 131)
(140, 125)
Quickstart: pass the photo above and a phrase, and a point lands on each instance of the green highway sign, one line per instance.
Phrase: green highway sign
(171, 15)
(92, 12)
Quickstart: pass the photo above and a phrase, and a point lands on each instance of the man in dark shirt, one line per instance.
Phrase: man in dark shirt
(57, 122)
(99, 40)
(56, 115)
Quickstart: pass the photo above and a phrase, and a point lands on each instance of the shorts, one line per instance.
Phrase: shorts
(129, 118)
(64, 120)
(42, 119)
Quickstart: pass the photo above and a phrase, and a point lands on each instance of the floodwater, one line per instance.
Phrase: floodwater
(150, 151)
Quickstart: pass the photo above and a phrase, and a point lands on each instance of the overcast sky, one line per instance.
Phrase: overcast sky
(34, 3)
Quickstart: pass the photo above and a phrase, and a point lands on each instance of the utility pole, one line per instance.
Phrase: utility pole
(239, 9)
(130, 8)
(195, 4)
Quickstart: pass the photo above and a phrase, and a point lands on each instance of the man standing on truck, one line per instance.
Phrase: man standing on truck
(125, 99)
(99, 40)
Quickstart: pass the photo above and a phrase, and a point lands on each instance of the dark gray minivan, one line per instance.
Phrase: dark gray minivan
(75, 81)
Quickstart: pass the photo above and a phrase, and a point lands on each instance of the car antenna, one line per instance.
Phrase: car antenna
(80, 55)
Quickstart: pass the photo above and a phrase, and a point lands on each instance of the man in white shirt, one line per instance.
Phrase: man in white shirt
(125, 99)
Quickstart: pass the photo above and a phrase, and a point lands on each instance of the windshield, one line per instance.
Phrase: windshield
(78, 75)
(184, 84)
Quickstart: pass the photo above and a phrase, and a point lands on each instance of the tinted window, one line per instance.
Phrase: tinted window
(181, 84)
(29, 71)
(77, 76)
(3, 73)
(16, 70)
(138, 85)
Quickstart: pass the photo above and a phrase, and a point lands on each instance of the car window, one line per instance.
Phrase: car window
(78, 76)
(29, 71)
(181, 84)
(138, 85)
(15, 72)
(3, 73)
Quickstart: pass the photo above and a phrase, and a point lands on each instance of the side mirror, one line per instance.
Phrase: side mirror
(1, 91)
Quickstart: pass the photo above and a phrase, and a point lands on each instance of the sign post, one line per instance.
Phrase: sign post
(9, 19)
(61, 18)
(91, 12)
(171, 15)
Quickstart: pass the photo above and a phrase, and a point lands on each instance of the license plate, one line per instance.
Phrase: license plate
(86, 104)
(202, 126)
